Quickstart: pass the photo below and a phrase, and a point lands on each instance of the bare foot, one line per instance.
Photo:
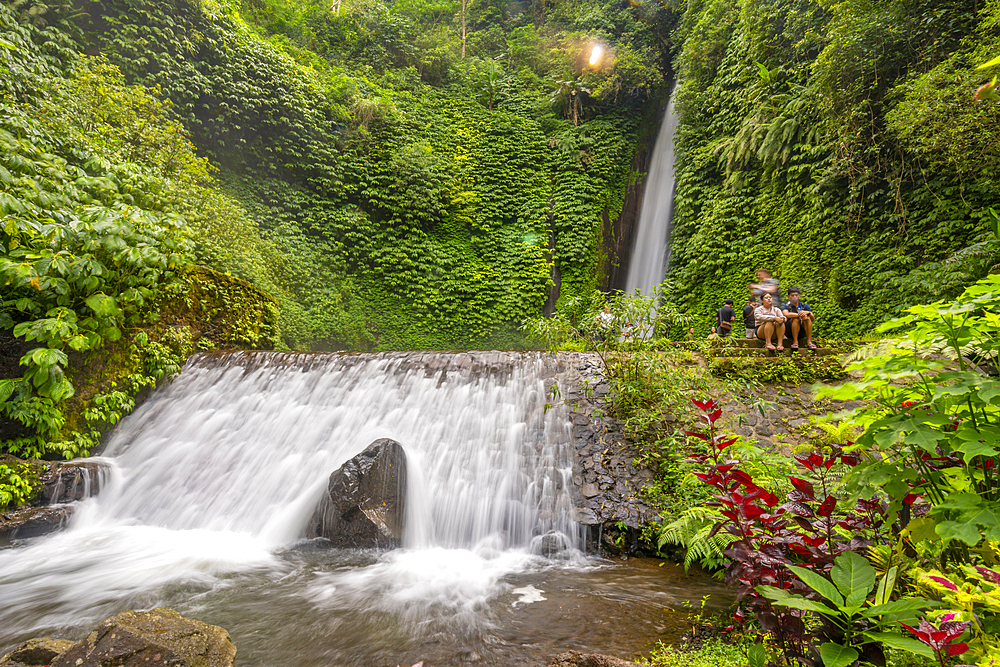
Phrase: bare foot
(769, 346)
(812, 345)
(781, 348)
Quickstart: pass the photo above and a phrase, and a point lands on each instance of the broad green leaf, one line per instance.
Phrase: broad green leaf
(818, 583)
(896, 641)
(799, 602)
(757, 656)
(852, 572)
(974, 448)
(921, 529)
(990, 391)
(886, 584)
(103, 305)
(964, 531)
(7, 388)
(774, 593)
(895, 607)
(835, 655)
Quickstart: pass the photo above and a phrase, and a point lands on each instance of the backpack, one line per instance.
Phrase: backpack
(723, 324)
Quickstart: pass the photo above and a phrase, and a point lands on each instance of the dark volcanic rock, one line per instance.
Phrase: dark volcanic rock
(156, 638)
(33, 521)
(366, 500)
(35, 652)
(577, 659)
(67, 482)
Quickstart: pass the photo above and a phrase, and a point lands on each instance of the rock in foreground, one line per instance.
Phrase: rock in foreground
(33, 521)
(577, 659)
(35, 652)
(157, 638)
(365, 502)
(154, 638)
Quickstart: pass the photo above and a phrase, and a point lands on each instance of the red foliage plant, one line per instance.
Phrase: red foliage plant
(773, 533)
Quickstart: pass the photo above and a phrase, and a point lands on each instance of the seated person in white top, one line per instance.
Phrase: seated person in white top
(770, 323)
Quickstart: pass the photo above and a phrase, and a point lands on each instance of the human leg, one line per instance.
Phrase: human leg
(780, 331)
(808, 326)
(764, 332)
(794, 323)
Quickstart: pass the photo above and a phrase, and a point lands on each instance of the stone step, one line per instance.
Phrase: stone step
(762, 352)
(764, 361)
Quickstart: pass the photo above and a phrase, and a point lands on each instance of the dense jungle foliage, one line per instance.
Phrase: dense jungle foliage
(838, 145)
(420, 185)
(392, 176)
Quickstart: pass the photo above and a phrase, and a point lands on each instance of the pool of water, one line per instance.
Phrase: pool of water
(311, 606)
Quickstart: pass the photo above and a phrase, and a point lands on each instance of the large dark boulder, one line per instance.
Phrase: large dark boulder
(33, 521)
(365, 501)
(156, 638)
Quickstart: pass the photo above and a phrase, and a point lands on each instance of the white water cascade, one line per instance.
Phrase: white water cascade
(220, 471)
(651, 252)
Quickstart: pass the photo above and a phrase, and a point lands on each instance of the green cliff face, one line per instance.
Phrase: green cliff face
(839, 146)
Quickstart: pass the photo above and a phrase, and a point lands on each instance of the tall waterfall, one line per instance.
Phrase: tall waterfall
(652, 240)
(223, 468)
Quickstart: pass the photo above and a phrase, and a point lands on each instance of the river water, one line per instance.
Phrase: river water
(212, 481)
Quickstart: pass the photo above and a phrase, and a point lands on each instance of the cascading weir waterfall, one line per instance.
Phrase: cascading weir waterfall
(213, 480)
(651, 253)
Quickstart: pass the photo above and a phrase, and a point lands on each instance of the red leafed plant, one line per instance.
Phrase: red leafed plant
(773, 533)
(940, 638)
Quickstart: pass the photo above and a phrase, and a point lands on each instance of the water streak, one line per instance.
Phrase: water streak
(651, 253)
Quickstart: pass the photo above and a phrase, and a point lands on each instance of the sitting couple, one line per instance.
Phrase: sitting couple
(770, 321)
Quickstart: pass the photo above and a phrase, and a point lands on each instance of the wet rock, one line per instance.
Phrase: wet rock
(366, 500)
(67, 482)
(797, 423)
(156, 638)
(589, 490)
(33, 521)
(763, 430)
(585, 516)
(602, 389)
(577, 659)
(35, 652)
(550, 544)
(580, 419)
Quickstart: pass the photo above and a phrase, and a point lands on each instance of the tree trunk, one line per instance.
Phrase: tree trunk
(463, 29)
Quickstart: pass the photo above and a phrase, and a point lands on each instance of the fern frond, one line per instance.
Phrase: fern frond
(692, 530)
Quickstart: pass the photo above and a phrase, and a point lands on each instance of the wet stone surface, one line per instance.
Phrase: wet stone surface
(608, 484)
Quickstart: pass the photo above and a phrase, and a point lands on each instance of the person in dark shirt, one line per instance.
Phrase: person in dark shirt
(748, 320)
(724, 319)
(800, 318)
